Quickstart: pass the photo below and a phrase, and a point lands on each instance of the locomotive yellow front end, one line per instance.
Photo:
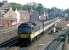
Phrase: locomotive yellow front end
(24, 31)
(24, 35)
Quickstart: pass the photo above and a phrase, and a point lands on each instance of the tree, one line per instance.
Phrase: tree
(16, 5)
(26, 7)
(36, 7)
(40, 9)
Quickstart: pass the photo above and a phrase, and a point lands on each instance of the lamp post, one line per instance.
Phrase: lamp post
(54, 28)
(30, 10)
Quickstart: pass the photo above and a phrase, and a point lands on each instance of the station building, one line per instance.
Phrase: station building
(9, 17)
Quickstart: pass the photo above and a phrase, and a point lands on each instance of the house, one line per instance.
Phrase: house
(24, 15)
(8, 17)
(32, 17)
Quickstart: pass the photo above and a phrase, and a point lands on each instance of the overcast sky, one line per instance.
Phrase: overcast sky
(63, 4)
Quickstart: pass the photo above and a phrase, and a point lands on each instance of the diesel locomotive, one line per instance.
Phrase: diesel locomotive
(28, 32)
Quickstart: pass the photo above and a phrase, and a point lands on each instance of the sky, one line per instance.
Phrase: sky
(62, 4)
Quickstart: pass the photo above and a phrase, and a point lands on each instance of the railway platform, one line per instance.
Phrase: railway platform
(6, 34)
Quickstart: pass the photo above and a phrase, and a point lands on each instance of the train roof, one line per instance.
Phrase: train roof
(28, 24)
(27, 27)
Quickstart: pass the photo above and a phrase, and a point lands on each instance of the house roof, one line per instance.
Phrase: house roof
(10, 15)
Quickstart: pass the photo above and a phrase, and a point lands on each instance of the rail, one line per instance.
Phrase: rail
(54, 44)
(9, 43)
(7, 34)
(58, 41)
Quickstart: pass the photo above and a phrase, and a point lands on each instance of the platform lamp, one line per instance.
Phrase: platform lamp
(30, 10)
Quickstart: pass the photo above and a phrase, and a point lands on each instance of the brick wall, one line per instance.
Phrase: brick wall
(7, 23)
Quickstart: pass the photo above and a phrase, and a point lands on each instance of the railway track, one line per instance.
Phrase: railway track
(9, 43)
(58, 41)
(54, 44)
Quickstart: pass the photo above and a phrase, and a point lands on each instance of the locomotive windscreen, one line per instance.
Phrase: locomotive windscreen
(24, 28)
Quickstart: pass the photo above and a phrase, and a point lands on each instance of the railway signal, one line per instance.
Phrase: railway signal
(43, 19)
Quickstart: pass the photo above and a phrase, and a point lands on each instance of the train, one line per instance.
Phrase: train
(29, 32)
